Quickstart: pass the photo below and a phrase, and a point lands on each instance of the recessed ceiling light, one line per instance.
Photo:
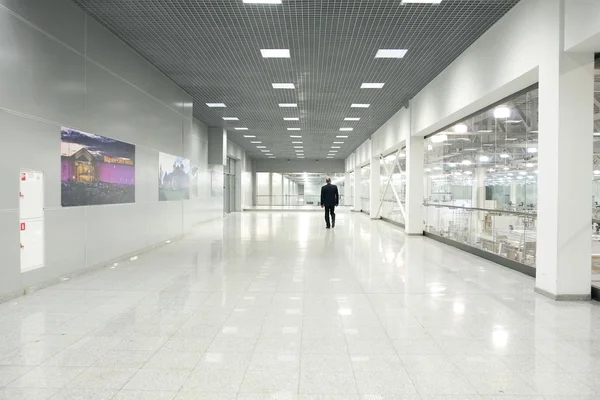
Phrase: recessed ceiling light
(297, 142)
(298, 147)
(249, 136)
(292, 119)
(283, 86)
(272, 157)
(333, 151)
(359, 105)
(256, 142)
(275, 53)
(288, 105)
(295, 136)
(266, 151)
(215, 105)
(346, 129)
(341, 137)
(338, 142)
(261, 147)
(262, 1)
(422, 1)
(372, 85)
(351, 119)
(293, 129)
(230, 119)
(241, 129)
(328, 157)
(335, 147)
(391, 53)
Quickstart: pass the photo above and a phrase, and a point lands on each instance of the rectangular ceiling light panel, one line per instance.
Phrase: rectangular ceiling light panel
(262, 1)
(283, 86)
(295, 136)
(372, 85)
(360, 105)
(421, 1)
(288, 105)
(346, 129)
(391, 53)
(216, 105)
(230, 119)
(292, 119)
(275, 53)
(241, 129)
(351, 119)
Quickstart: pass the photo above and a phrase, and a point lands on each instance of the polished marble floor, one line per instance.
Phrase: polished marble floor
(273, 306)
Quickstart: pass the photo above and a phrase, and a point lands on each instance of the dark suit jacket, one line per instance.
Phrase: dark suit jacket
(329, 195)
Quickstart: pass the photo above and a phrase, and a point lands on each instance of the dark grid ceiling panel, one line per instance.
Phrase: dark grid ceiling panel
(211, 48)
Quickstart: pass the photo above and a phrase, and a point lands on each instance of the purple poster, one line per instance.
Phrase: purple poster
(95, 169)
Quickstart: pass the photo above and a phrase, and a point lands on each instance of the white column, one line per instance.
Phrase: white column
(415, 158)
(347, 189)
(478, 198)
(357, 189)
(375, 186)
(565, 163)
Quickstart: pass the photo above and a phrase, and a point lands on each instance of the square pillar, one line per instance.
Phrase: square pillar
(357, 189)
(415, 184)
(566, 93)
(347, 189)
(375, 187)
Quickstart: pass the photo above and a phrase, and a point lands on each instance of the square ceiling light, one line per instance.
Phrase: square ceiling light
(230, 119)
(391, 53)
(288, 105)
(216, 105)
(292, 119)
(293, 129)
(262, 1)
(241, 129)
(360, 105)
(372, 85)
(283, 86)
(346, 129)
(275, 53)
(351, 119)
(421, 1)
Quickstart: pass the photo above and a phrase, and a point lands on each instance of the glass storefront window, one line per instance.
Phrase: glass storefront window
(393, 187)
(481, 179)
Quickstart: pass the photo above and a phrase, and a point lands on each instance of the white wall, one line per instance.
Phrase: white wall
(582, 25)
(285, 166)
(243, 175)
(391, 135)
(60, 67)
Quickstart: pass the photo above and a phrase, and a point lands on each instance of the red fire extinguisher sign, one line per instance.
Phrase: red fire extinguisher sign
(22, 226)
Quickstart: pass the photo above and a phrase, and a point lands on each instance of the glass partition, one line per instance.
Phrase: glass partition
(393, 187)
(481, 179)
(596, 182)
(294, 189)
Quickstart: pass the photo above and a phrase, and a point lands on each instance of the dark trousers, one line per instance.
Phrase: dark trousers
(329, 210)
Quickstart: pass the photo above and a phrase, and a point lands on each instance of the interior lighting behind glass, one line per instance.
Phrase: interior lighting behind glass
(502, 112)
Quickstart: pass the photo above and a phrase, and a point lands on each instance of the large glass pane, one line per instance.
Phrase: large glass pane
(481, 179)
(393, 187)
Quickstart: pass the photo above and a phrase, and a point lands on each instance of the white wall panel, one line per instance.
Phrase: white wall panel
(117, 94)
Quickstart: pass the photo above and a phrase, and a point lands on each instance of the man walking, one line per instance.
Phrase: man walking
(329, 200)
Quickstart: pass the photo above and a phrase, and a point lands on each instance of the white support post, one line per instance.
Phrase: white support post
(357, 189)
(375, 186)
(565, 163)
(347, 189)
(415, 158)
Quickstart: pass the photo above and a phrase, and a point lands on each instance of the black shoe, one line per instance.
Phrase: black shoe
(327, 227)
(333, 226)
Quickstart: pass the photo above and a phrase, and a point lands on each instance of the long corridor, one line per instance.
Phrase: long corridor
(273, 306)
